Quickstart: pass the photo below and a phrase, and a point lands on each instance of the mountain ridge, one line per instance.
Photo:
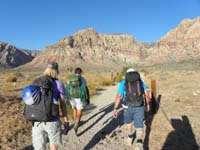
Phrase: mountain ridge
(89, 47)
(10, 56)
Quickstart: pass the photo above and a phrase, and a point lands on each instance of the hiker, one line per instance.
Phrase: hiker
(132, 91)
(51, 128)
(78, 71)
(77, 95)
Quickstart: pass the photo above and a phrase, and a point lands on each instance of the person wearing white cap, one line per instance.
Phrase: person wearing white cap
(132, 91)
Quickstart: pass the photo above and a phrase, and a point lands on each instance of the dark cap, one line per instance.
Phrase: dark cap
(53, 65)
(78, 71)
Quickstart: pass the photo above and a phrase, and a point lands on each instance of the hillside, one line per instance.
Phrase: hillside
(91, 49)
(178, 44)
(10, 56)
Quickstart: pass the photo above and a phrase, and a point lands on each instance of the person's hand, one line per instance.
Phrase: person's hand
(115, 113)
(147, 108)
(66, 128)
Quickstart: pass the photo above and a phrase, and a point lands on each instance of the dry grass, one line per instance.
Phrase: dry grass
(180, 90)
(176, 125)
(14, 131)
(11, 78)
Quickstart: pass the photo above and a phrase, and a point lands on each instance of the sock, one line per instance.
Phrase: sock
(139, 134)
(130, 135)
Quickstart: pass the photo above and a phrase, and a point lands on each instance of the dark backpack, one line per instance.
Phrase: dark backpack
(75, 89)
(134, 90)
(41, 109)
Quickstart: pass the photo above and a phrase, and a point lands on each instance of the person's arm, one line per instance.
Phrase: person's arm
(88, 94)
(147, 96)
(116, 105)
(118, 98)
(148, 100)
(63, 107)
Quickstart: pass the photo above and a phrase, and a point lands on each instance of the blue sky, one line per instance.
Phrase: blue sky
(35, 24)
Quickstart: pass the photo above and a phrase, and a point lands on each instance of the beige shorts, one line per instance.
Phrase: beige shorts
(76, 103)
(43, 132)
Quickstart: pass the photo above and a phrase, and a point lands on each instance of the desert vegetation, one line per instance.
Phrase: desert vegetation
(177, 83)
(15, 132)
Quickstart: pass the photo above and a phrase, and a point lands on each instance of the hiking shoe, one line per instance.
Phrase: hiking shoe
(76, 125)
(138, 145)
(128, 140)
(66, 128)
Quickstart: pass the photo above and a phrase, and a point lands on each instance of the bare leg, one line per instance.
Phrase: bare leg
(78, 115)
(74, 114)
(129, 131)
(77, 120)
(53, 147)
(129, 128)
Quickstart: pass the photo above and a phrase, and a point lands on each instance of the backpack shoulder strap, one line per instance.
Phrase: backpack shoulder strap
(68, 89)
(83, 93)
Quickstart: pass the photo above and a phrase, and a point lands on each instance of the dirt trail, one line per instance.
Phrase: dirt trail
(99, 130)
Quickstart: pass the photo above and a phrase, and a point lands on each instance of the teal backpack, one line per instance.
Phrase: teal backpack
(75, 88)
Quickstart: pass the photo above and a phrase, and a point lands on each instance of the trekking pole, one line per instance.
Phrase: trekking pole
(166, 116)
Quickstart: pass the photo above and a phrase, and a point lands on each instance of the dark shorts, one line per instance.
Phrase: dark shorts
(134, 115)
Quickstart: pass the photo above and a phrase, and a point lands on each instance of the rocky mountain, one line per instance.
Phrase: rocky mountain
(93, 48)
(10, 56)
(183, 42)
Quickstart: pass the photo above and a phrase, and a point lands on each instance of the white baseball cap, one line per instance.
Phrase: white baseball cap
(130, 70)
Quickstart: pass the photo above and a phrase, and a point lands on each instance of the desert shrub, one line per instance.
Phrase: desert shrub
(11, 78)
(6, 87)
(18, 74)
(124, 69)
(163, 75)
(93, 86)
(119, 76)
(144, 71)
(106, 82)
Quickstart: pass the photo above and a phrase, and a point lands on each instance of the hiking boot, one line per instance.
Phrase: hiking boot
(128, 140)
(66, 128)
(76, 125)
(138, 145)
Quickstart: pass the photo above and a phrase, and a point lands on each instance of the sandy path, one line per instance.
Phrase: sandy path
(98, 130)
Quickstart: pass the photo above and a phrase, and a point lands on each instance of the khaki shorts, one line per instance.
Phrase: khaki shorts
(76, 103)
(43, 132)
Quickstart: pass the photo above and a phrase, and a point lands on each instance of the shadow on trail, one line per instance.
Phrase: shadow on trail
(88, 108)
(105, 110)
(99, 91)
(182, 138)
(149, 116)
(112, 124)
(30, 147)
